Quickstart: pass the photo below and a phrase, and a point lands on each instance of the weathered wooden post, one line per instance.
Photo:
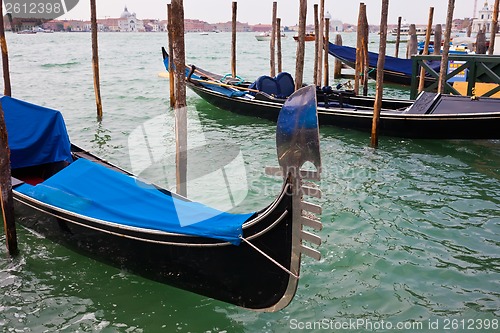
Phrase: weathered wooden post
(316, 80)
(494, 27)
(337, 70)
(6, 189)
(446, 47)
(326, 75)
(180, 96)
(426, 48)
(380, 74)
(481, 42)
(320, 39)
(171, 54)
(299, 62)
(358, 66)
(366, 59)
(5, 55)
(95, 59)
(278, 45)
(412, 46)
(273, 41)
(438, 37)
(398, 37)
(233, 40)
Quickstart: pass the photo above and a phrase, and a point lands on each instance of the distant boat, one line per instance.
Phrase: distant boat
(266, 36)
(309, 37)
(26, 32)
(203, 33)
(405, 30)
(396, 70)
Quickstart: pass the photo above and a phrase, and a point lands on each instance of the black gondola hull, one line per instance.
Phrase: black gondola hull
(391, 123)
(203, 266)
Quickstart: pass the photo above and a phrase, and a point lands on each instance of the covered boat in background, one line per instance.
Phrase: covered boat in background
(396, 70)
(430, 116)
(251, 260)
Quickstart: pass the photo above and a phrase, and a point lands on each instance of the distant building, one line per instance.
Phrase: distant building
(128, 22)
(484, 18)
(336, 25)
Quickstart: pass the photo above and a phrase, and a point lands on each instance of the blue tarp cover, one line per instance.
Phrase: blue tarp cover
(93, 190)
(37, 135)
(393, 64)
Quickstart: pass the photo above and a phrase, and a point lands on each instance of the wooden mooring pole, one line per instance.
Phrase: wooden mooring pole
(398, 37)
(233, 40)
(380, 74)
(426, 48)
(412, 45)
(320, 40)
(446, 47)
(438, 37)
(180, 96)
(316, 80)
(95, 59)
(278, 45)
(6, 189)
(171, 56)
(337, 70)
(366, 59)
(494, 27)
(5, 56)
(299, 62)
(272, 42)
(359, 54)
(326, 73)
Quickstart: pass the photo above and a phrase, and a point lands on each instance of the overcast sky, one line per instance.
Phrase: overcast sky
(260, 11)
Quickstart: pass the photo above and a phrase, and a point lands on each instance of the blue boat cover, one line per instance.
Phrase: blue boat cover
(37, 135)
(348, 54)
(95, 191)
(230, 92)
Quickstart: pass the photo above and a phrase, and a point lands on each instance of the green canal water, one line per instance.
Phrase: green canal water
(411, 237)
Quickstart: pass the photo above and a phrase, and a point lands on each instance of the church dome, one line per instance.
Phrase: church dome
(125, 13)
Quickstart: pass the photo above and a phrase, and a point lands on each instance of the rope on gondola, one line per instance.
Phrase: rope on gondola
(269, 257)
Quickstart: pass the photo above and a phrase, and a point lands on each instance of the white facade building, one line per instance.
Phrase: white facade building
(484, 19)
(129, 22)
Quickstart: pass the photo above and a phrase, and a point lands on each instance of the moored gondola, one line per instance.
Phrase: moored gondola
(430, 116)
(251, 260)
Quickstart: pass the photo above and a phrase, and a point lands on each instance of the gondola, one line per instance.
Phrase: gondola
(96, 208)
(430, 116)
(396, 70)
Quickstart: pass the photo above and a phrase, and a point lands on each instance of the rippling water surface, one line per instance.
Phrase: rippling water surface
(411, 230)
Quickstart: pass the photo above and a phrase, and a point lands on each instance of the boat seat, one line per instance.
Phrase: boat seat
(286, 84)
(280, 86)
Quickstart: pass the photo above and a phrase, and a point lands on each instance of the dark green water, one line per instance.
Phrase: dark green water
(411, 238)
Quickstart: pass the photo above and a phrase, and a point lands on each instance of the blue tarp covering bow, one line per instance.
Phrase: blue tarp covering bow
(37, 135)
